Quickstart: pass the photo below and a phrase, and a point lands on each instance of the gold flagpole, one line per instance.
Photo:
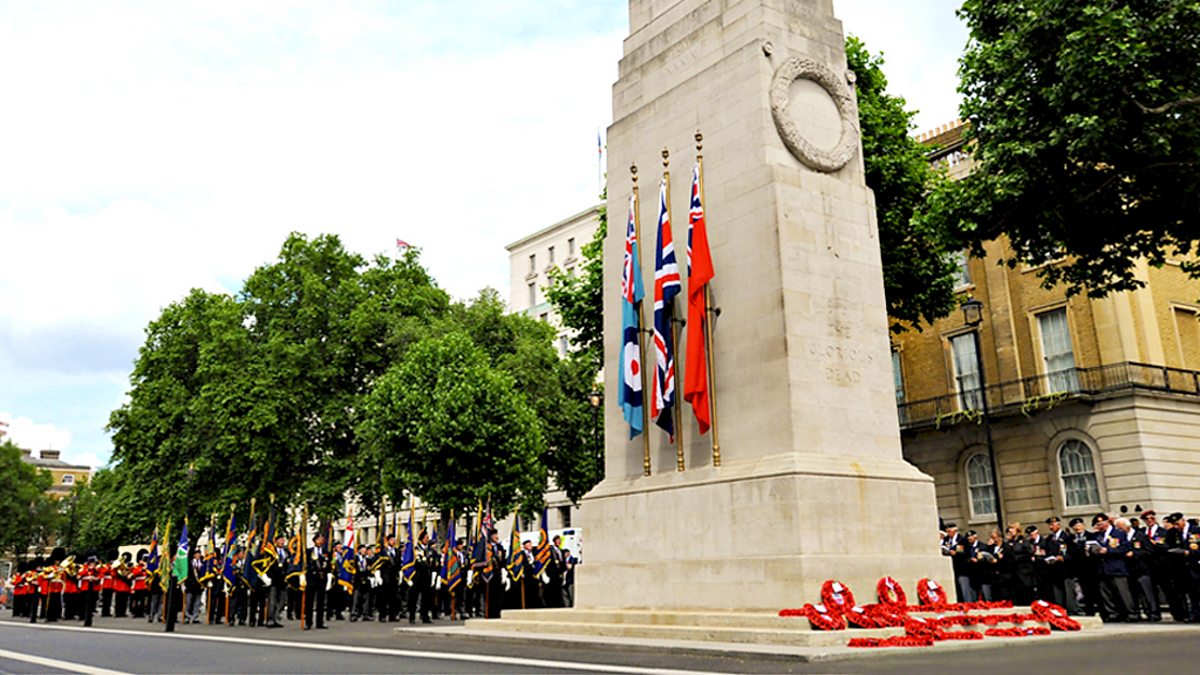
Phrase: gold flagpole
(708, 322)
(637, 229)
(675, 410)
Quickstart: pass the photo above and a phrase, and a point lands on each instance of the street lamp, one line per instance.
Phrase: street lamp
(71, 532)
(972, 311)
(596, 399)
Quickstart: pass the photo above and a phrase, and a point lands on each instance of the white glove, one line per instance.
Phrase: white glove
(266, 580)
(328, 582)
(377, 578)
(405, 581)
(504, 578)
(437, 582)
(545, 579)
(470, 576)
(303, 580)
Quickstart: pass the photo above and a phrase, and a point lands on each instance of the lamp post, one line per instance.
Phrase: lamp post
(596, 399)
(972, 311)
(71, 532)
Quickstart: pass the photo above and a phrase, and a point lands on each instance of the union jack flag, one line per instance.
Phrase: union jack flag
(666, 287)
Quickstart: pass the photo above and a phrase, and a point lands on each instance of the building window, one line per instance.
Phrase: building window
(898, 378)
(1058, 358)
(544, 317)
(68, 480)
(980, 486)
(532, 263)
(571, 247)
(563, 345)
(962, 274)
(571, 271)
(564, 514)
(966, 371)
(1078, 473)
(551, 254)
(532, 294)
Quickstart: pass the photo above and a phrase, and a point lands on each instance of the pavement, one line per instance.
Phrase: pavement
(134, 646)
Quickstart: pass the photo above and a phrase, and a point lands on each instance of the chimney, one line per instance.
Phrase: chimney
(51, 454)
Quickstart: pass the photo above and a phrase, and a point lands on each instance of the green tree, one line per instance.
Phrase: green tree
(917, 268)
(328, 323)
(27, 514)
(556, 388)
(110, 511)
(455, 429)
(1084, 129)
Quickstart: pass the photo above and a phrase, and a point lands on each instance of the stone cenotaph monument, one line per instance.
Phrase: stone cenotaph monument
(811, 483)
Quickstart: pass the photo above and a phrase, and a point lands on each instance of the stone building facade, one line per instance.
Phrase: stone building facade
(66, 475)
(1095, 403)
(531, 258)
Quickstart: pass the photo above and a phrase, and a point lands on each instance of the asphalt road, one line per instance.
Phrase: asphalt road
(127, 646)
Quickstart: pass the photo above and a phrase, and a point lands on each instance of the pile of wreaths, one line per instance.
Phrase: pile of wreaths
(839, 610)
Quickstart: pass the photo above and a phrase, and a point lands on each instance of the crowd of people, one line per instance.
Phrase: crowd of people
(1124, 569)
(276, 581)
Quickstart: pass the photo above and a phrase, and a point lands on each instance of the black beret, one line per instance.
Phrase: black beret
(1052, 519)
(1031, 529)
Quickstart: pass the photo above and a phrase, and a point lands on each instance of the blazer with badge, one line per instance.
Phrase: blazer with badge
(1116, 545)
(955, 546)
(1141, 562)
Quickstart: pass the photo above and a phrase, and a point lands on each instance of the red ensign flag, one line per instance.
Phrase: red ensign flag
(700, 271)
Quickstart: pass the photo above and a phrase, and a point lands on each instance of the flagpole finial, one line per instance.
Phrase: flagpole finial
(633, 170)
(699, 141)
(666, 157)
(272, 496)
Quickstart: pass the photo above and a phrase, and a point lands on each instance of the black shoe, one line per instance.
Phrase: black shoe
(353, 619)
(322, 627)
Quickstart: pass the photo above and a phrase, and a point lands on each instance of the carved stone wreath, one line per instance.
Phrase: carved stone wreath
(795, 68)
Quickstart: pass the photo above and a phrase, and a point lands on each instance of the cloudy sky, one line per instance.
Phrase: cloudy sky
(147, 148)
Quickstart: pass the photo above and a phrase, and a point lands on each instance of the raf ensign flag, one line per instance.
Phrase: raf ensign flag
(630, 393)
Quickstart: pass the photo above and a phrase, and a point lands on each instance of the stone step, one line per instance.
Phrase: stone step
(796, 634)
(761, 620)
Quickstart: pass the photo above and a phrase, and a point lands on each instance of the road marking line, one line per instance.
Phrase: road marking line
(61, 665)
(378, 651)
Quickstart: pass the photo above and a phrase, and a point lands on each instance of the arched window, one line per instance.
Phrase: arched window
(979, 485)
(1078, 474)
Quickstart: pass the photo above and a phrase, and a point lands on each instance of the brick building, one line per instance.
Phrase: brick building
(1095, 403)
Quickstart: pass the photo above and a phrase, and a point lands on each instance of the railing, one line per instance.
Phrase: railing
(1041, 392)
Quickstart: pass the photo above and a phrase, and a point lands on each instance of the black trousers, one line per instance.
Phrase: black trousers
(314, 603)
(106, 597)
(1116, 601)
(122, 603)
(419, 594)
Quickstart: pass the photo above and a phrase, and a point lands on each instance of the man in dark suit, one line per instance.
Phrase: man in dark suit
(1110, 546)
(317, 578)
(1183, 551)
(388, 602)
(1141, 587)
(1058, 572)
(954, 545)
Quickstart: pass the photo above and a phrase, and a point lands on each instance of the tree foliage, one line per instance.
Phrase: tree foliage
(1084, 127)
(233, 398)
(456, 430)
(28, 515)
(917, 269)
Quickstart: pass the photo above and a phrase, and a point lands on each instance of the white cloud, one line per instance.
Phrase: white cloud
(26, 433)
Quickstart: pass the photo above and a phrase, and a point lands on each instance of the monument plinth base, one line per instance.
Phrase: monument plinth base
(760, 535)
